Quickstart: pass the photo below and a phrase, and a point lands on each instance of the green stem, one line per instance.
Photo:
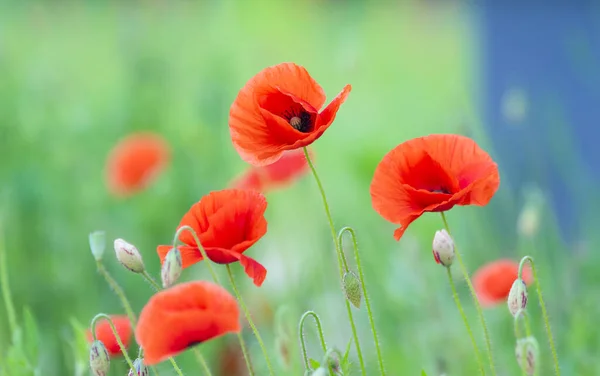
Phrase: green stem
(464, 317)
(302, 339)
(176, 367)
(544, 310)
(115, 333)
(200, 358)
(118, 291)
(342, 264)
(10, 308)
(463, 269)
(249, 318)
(216, 280)
(151, 280)
(363, 285)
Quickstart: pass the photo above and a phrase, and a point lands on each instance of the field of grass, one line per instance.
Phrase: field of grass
(75, 77)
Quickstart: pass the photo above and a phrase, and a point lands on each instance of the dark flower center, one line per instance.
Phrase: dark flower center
(299, 120)
(441, 190)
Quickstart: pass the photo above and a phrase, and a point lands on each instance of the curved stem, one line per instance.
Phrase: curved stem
(115, 333)
(249, 318)
(463, 269)
(216, 280)
(151, 280)
(301, 334)
(10, 308)
(200, 358)
(522, 313)
(118, 291)
(342, 263)
(464, 317)
(350, 230)
(544, 310)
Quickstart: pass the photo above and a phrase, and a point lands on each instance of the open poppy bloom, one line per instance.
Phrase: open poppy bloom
(185, 315)
(227, 223)
(105, 334)
(492, 282)
(134, 162)
(432, 174)
(278, 110)
(291, 166)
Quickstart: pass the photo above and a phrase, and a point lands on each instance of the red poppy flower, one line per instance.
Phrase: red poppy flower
(278, 110)
(183, 316)
(432, 174)
(291, 166)
(105, 334)
(134, 163)
(493, 281)
(227, 222)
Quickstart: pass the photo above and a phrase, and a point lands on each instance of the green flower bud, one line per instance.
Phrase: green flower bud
(443, 248)
(352, 288)
(129, 256)
(140, 368)
(517, 297)
(527, 353)
(97, 241)
(99, 359)
(171, 268)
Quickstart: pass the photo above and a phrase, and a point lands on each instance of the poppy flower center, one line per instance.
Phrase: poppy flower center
(300, 122)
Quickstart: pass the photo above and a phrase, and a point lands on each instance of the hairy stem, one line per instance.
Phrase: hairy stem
(301, 335)
(100, 316)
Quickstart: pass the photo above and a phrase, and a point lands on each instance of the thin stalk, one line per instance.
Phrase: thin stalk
(118, 291)
(342, 264)
(202, 362)
(363, 285)
(301, 335)
(216, 280)
(8, 302)
(544, 310)
(464, 317)
(151, 280)
(463, 269)
(249, 318)
(115, 333)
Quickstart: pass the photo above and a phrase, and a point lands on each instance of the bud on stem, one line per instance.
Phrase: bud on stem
(99, 359)
(443, 248)
(129, 256)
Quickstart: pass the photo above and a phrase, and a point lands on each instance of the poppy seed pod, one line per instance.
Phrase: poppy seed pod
(129, 256)
(97, 244)
(443, 248)
(171, 268)
(99, 359)
(352, 288)
(139, 369)
(527, 354)
(517, 297)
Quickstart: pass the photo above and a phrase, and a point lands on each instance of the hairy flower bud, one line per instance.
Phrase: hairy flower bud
(139, 369)
(527, 353)
(97, 241)
(443, 248)
(517, 297)
(171, 268)
(129, 256)
(99, 359)
(352, 288)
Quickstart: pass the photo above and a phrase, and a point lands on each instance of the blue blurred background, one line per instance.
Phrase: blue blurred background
(77, 76)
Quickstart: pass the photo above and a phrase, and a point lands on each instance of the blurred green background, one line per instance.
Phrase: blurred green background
(75, 77)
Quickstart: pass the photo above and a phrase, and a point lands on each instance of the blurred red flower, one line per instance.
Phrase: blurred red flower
(290, 167)
(278, 110)
(492, 282)
(432, 174)
(227, 223)
(183, 316)
(105, 334)
(135, 162)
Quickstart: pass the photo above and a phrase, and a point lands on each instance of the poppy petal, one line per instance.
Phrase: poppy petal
(327, 116)
(253, 268)
(105, 334)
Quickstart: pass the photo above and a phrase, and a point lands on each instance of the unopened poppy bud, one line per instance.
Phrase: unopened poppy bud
(99, 359)
(352, 288)
(320, 372)
(129, 256)
(97, 244)
(517, 297)
(139, 369)
(443, 248)
(527, 353)
(171, 268)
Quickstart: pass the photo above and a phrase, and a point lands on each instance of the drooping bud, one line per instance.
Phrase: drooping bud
(527, 352)
(129, 256)
(517, 297)
(352, 288)
(171, 268)
(139, 368)
(99, 359)
(97, 244)
(443, 248)
(320, 372)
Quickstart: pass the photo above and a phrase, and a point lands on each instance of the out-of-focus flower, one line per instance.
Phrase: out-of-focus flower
(493, 281)
(105, 334)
